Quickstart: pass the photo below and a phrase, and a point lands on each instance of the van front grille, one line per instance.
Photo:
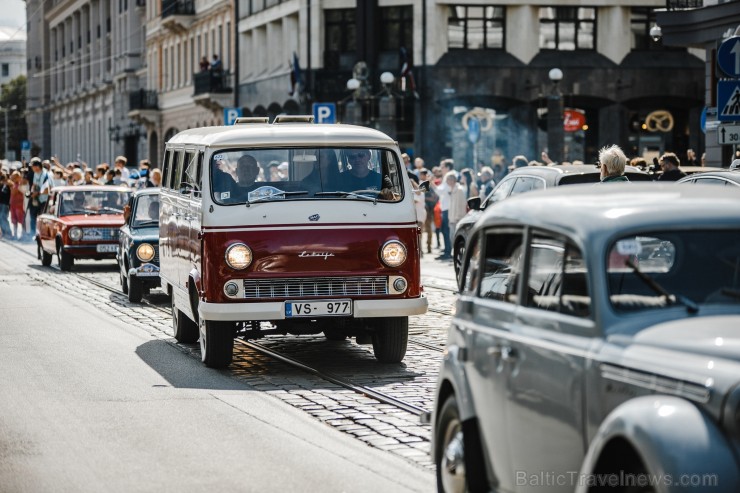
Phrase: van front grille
(300, 287)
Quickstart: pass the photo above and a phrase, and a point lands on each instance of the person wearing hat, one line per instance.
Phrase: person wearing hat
(670, 163)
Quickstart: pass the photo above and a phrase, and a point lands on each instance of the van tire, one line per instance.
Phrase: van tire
(216, 343)
(186, 331)
(390, 339)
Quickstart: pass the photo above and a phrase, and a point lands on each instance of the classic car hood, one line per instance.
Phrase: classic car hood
(717, 336)
(149, 235)
(104, 220)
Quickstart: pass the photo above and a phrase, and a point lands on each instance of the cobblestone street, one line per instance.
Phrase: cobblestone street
(380, 425)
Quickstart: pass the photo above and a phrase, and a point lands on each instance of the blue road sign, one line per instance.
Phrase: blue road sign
(231, 114)
(728, 100)
(473, 130)
(325, 112)
(25, 145)
(728, 56)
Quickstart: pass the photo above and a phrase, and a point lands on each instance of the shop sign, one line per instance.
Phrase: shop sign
(573, 120)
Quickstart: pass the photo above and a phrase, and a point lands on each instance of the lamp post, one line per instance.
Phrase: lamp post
(555, 132)
(5, 110)
(361, 110)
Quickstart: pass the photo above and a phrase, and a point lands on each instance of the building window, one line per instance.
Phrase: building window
(398, 24)
(472, 27)
(340, 38)
(567, 28)
(6, 69)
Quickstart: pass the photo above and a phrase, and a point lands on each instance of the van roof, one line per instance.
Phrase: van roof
(283, 135)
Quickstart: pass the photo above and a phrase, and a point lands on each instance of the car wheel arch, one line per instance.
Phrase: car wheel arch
(648, 426)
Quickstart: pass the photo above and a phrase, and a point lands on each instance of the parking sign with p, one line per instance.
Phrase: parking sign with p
(325, 113)
(231, 114)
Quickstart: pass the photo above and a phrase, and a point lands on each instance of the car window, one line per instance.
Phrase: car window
(501, 265)
(710, 181)
(472, 269)
(657, 269)
(190, 169)
(527, 183)
(501, 191)
(167, 168)
(146, 213)
(557, 277)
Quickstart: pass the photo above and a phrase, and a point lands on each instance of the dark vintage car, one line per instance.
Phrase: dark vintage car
(721, 177)
(523, 180)
(138, 252)
(80, 222)
(596, 338)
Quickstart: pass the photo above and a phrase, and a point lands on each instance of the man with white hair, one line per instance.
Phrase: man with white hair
(612, 161)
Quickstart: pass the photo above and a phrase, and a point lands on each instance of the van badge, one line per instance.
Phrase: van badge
(315, 217)
(304, 253)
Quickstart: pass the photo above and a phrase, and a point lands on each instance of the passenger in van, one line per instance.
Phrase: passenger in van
(325, 176)
(360, 176)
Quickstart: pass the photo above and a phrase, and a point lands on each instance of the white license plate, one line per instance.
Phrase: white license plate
(106, 248)
(323, 308)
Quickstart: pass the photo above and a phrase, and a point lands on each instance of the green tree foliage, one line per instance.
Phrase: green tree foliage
(13, 94)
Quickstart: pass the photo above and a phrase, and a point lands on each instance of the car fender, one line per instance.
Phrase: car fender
(675, 440)
(453, 374)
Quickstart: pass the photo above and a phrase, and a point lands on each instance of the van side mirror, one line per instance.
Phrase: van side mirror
(474, 203)
(424, 186)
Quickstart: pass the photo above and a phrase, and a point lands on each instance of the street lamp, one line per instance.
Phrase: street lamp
(5, 110)
(555, 131)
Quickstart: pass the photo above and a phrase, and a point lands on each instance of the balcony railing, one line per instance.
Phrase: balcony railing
(683, 4)
(210, 81)
(178, 7)
(142, 100)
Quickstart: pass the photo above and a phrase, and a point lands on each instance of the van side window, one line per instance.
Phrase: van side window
(176, 170)
(199, 173)
(502, 265)
(190, 168)
(472, 269)
(167, 168)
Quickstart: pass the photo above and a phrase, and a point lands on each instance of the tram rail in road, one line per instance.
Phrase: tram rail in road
(286, 359)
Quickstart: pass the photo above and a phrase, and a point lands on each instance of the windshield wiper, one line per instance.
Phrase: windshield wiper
(356, 194)
(111, 209)
(81, 211)
(140, 224)
(276, 194)
(672, 299)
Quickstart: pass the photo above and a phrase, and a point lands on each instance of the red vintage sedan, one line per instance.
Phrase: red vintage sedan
(81, 222)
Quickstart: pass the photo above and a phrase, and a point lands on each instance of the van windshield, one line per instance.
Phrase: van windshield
(258, 175)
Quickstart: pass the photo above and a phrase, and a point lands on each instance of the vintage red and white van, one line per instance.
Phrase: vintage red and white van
(309, 227)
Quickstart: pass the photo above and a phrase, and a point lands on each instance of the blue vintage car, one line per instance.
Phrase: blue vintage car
(595, 344)
(138, 249)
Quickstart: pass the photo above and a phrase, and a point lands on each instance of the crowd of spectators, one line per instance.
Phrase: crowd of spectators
(24, 191)
(445, 202)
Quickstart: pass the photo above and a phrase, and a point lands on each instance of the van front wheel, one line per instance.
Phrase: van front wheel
(216, 343)
(390, 338)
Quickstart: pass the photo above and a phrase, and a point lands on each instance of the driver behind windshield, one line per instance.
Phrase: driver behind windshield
(247, 172)
(76, 205)
(359, 176)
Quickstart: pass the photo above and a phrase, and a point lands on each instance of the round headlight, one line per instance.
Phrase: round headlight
(75, 234)
(393, 253)
(238, 256)
(145, 252)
